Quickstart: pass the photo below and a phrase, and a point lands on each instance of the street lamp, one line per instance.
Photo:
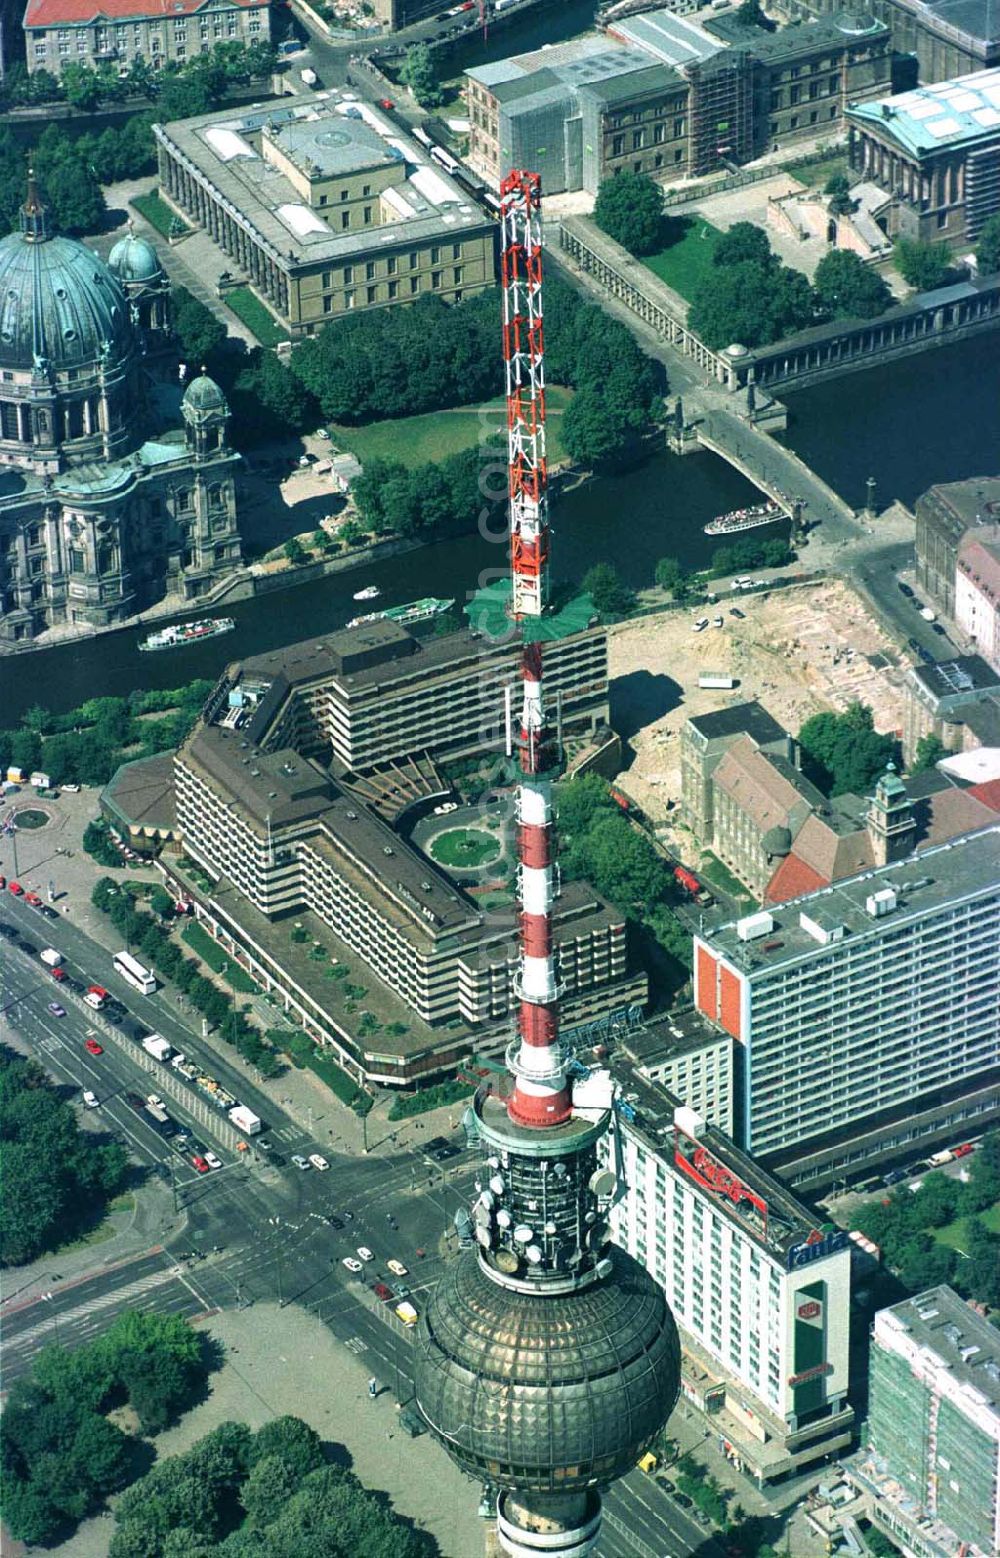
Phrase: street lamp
(365, 1117)
(49, 1298)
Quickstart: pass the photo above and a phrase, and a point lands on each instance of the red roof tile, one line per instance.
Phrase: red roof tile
(988, 792)
(793, 878)
(63, 13)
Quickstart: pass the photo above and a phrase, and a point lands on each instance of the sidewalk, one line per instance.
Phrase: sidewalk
(284, 1361)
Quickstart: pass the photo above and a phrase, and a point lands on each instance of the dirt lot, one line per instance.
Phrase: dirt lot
(797, 651)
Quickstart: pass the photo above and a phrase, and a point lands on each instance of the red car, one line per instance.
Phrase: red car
(33, 899)
(92, 1047)
(58, 973)
(15, 888)
(964, 1150)
(386, 102)
(199, 1163)
(381, 1291)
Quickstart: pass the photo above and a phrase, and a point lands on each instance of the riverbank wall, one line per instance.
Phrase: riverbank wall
(930, 319)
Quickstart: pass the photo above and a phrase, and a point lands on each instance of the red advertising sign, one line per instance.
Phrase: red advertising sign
(706, 1170)
(808, 1311)
(813, 1373)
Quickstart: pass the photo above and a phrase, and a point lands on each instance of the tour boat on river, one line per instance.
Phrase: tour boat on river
(179, 633)
(744, 519)
(370, 592)
(415, 611)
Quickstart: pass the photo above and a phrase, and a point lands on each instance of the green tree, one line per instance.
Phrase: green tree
(199, 333)
(846, 752)
(81, 86)
(295, 551)
(591, 432)
(629, 208)
(929, 752)
(750, 14)
(161, 903)
(291, 1441)
(669, 573)
(922, 265)
(268, 1486)
(846, 288)
(76, 198)
(838, 187)
(612, 597)
(742, 243)
(419, 72)
(750, 303)
(988, 246)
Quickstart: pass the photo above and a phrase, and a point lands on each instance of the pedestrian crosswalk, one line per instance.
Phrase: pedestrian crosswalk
(116, 1297)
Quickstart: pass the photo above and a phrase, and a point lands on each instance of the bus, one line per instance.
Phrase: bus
(131, 969)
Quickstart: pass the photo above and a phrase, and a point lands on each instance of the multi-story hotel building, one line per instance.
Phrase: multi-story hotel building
(932, 1465)
(867, 1015)
(688, 1057)
(374, 694)
(326, 208)
(288, 833)
(760, 1291)
(60, 32)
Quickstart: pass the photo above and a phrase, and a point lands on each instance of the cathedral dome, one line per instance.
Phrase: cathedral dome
(135, 259)
(203, 396)
(58, 302)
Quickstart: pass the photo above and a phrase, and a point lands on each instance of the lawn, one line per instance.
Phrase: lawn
(248, 307)
(686, 261)
(815, 174)
(198, 939)
(158, 213)
(955, 1234)
(465, 847)
(421, 440)
(717, 875)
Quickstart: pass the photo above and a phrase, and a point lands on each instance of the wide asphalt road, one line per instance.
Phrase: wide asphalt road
(251, 1231)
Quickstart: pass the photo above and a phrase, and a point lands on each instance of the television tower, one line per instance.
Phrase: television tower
(547, 1359)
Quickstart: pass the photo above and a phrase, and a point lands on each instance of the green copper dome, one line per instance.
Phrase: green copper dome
(204, 395)
(60, 306)
(135, 259)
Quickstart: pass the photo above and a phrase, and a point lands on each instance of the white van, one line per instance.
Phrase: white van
(700, 625)
(51, 957)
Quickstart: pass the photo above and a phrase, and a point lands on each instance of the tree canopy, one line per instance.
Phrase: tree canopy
(64, 1179)
(236, 1493)
(629, 208)
(612, 597)
(845, 752)
(61, 1456)
(846, 288)
(600, 845)
(988, 246)
(419, 72)
(749, 300)
(922, 265)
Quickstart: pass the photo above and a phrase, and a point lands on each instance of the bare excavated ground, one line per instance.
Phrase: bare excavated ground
(797, 652)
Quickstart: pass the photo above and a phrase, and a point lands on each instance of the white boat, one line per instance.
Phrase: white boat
(370, 592)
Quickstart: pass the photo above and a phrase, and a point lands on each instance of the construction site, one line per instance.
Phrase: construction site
(797, 651)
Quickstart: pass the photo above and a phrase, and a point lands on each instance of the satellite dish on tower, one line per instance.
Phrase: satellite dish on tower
(523, 1234)
(504, 1218)
(506, 1260)
(496, 1185)
(533, 1254)
(603, 1184)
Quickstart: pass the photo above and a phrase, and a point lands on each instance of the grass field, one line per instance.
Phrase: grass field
(954, 1234)
(687, 259)
(815, 174)
(198, 939)
(246, 306)
(420, 440)
(158, 213)
(465, 847)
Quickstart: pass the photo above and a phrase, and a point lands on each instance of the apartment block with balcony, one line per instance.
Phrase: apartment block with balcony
(60, 32)
(866, 1015)
(931, 1465)
(760, 1293)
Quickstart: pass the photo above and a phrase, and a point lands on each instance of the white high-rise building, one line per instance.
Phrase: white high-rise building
(865, 1015)
(759, 1290)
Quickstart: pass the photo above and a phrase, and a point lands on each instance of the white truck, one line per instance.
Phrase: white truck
(245, 1120)
(309, 77)
(157, 1047)
(51, 957)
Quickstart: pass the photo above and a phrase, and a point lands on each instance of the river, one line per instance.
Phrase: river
(909, 424)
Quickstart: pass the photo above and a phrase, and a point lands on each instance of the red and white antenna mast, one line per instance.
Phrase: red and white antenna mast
(541, 1094)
